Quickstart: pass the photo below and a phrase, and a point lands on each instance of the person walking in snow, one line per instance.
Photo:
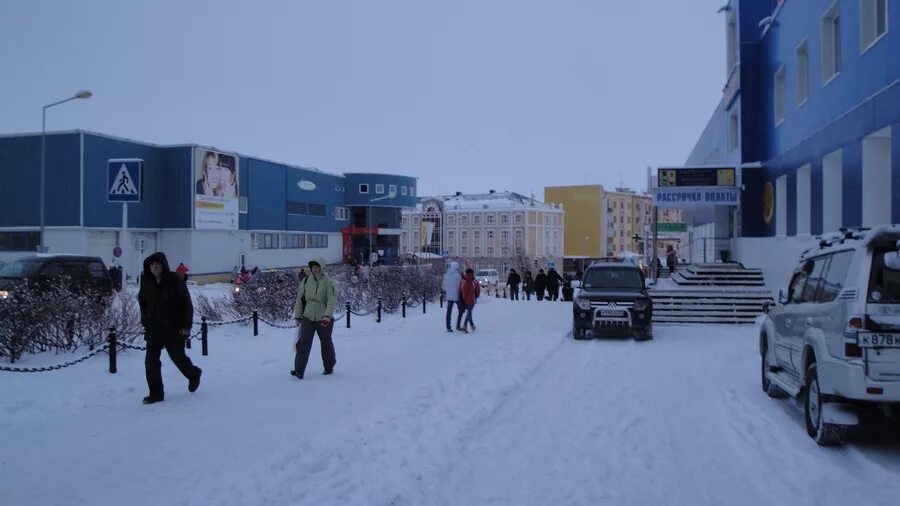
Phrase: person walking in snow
(540, 284)
(182, 271)
(528, 285)
(313, 314)
(512, 281)
(167, 315)
(450, 286)
(671, 260)
(553, 282)
(470, 290)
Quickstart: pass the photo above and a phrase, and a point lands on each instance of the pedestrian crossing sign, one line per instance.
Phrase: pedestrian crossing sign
(124, 180)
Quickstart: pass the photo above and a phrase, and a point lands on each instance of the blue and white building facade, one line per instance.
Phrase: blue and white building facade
(209, 208)
(810, 117)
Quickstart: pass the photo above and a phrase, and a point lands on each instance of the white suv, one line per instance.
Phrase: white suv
(488, 277)
(834, 338)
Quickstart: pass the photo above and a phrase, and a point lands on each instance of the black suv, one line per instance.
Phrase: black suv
(82, 272)
(613, 300)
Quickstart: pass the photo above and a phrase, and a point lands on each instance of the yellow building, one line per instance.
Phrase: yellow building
(584, 224)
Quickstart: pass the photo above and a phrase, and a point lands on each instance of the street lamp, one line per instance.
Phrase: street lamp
(83, 94)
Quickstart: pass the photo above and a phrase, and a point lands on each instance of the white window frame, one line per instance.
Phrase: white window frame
(490, 235)
(778, 96)
(477, 250)
(831, 43)
(520, 218)
(412, 191)
(868, 14)
(392, 189)
(464, 220)
(364, 188)
(343, 214)
(403, 190)
(476, 219)
(731, 44)
(451, 219)
(802, 62)
(504, 219)
(379, 189)
(490, 219)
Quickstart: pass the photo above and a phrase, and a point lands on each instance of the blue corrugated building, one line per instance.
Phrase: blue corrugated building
(211, 209)
(810, 114)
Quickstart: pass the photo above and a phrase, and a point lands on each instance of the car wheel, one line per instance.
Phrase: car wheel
(578, 333)
(825, 434)
(771, 389)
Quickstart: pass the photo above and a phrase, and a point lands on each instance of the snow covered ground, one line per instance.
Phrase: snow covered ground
(515, 413)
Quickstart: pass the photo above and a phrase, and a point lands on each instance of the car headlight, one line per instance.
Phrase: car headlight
(237, 289)
(4, 294)
(641, 305)
(583, 303)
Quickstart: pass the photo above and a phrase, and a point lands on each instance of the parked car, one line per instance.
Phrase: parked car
(41, 271)
(265, 279)
(833, 337)
(488, 278)
(613, 300)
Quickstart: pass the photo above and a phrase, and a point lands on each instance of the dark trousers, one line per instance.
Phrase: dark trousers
(514, 293)
(308, 331)
(553, 293)
(450, 305)
(462, 309)
(540, 295)
(153, 366)
(527, 295)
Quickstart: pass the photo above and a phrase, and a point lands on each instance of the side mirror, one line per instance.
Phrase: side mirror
(782, 296)
(767, 306)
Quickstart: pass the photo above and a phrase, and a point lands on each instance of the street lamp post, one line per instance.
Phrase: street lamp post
(84, 94)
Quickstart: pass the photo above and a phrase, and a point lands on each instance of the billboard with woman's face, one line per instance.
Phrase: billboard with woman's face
(216, 190)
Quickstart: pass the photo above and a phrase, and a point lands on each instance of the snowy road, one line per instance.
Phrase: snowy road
(516, 413)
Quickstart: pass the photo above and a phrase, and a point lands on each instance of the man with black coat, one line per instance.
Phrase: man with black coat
(513, 281)
(540, 284)
(553, 282)
(167, 315)
(528, 285)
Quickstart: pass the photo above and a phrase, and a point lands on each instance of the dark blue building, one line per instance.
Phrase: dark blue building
(210, 209)
(810, 113)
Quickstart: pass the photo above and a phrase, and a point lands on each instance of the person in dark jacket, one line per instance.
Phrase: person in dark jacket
(512, 281)
(528, 285)
(671, 260)
(167, 315)
(553, 282)
(540, 284)
(567, 290)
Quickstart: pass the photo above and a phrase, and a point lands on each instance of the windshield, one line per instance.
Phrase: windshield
(613, 278)
(20, 269)
(884, 282)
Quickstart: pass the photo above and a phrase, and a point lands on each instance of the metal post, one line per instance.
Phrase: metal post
(42, 248)
(403, 303)
(204, 333)
(379, 311)
(255, 322)
(348, 315)
(655, 244)
(424, 300)
(442, 299)
(112, 350)
(124, 244)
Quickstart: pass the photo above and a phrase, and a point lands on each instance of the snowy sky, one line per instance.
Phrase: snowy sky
(467, 95)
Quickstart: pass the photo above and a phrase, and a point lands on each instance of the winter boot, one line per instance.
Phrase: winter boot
(194, 382)
(150, 399)
(297, 375)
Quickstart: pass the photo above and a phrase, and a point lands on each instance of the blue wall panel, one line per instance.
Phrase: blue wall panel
(852, 190)
(20, 165)
(266, 195)
(816, 197)
(895, 173)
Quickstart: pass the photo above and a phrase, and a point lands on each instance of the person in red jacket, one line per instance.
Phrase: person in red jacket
(470, 291)
(182, 270)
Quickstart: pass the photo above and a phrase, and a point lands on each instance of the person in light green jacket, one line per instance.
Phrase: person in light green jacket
(313, 311)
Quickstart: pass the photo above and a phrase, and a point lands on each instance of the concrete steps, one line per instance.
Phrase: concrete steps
(711, 293)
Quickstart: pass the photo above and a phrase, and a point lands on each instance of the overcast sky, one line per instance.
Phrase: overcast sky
(465, 95)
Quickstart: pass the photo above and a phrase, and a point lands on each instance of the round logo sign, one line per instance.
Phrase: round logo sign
(307, 185)
(768, 202)
(117, 252)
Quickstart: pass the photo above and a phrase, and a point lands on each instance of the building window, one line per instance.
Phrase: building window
(416, 220)
(476, 219)
(490, 235)
(242, 205)
(412, 191)
(873, 22)
(464, 250)
(546, 220)
(451, 250)
(779, 96)
(489, 219)
(464, 235)
(316, 210)
(477, 236)
(831, 43)
(802, 73)
(520, 218)
(505, 251)
(731, 46)
(477, 250)
(490, 251)
(464, 220)
(518, 235)
(451, 219)
(296, 208)
(19, 241)
(363, 188)
(264, 241)
(451, 236)
(293, 241)
(504, 235)
(392, 189)
(379, 189)
(405, 241)
(342, 213)
(316, 241)
(403, 190)
(504, 219)
(403, 221)
(733, 131)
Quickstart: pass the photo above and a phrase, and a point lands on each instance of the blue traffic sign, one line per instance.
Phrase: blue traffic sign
(125, 180)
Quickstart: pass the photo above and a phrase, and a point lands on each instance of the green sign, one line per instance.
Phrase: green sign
(671, 227)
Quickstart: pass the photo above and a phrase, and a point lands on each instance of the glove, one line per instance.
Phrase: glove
(325, 321)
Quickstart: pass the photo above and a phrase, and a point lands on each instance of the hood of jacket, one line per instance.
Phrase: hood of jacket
(453, 268)
(318, 260)
(160, 257)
